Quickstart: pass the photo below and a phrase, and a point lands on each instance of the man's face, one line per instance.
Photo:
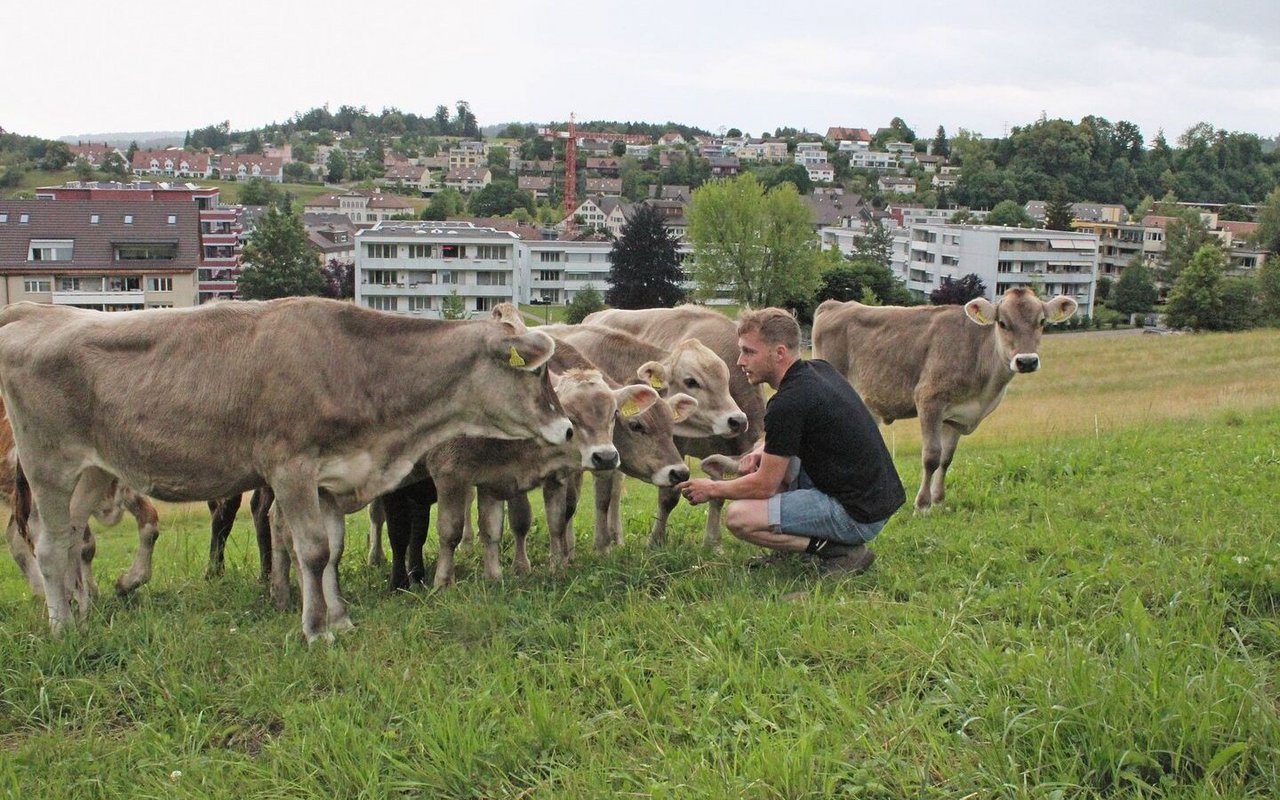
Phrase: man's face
(757, 359)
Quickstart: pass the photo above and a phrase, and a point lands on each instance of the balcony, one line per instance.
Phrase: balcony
(98, 297)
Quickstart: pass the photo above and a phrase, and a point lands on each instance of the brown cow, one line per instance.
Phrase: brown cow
(24, 526)
(946, 364)
(328, 403)
(663, 327)
(691, 367)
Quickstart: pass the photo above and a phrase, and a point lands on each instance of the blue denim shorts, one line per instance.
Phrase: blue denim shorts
(804, 511)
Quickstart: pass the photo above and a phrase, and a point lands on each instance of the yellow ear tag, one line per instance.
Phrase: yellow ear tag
(656, 382)
(630, 408)
(728, 476)
(675, 415)
(516, 360)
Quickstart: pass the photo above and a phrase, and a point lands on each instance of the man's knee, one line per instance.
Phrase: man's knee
(744, 517)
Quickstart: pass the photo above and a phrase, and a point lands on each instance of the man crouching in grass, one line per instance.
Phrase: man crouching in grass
(822, 482)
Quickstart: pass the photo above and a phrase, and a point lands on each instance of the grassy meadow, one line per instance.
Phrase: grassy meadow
(1095, 613)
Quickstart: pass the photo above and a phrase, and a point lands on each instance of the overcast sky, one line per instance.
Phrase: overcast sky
(77, 67)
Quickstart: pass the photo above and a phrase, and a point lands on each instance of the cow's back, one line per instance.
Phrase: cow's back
(666, 328)
(895, 355)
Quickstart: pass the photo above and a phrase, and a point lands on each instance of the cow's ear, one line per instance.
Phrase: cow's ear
(981, 310)
(527, 351)
(682, 406)
(509, 315)
(720, 467)
(653, 374)
(635, 399)
(1060, 308)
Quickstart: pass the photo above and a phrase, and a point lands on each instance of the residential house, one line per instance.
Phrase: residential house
(930, 163)
(172, 163)
(671, 139)
(609, 186)
(639, 150)
(333, 236)
(468, 179)
(244, 167)
(361, 206)
(95, 154)
(468, 155)
(893, 184)
(403, 175)
(821, 172)
(608, 212)
(833, 208)
(837, 134)
(605, 167)
(873, 160)
(109, 255)
(538, 185)
(724, 166)
(946, 178)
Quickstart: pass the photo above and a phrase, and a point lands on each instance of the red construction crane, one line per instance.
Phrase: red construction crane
(570, 168)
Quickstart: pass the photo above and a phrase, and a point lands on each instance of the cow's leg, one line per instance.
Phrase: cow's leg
(87, 586)
(931, 436)
(222, 513)
(521, 513)
(301, 513)
(336, 531)
(94, 485)
(452, 507)
(25, 555)
(468, 532)
(668, 499)
(950, 436)
(282, 558)
(491, 513)
(377, 518)
(260, 503)
(397, 515)
(54, 542)
(607, 484)
(555, 502)
(573, 490)
(139, 571)
(419, 526)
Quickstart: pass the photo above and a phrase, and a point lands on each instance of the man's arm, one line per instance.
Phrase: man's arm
(762, 484)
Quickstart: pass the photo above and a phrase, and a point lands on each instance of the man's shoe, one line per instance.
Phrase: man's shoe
(854, 562)
(768, 559)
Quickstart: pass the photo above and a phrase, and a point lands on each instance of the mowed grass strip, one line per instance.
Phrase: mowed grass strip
(1095, 613)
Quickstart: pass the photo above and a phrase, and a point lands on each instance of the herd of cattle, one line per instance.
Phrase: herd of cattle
(321, 408)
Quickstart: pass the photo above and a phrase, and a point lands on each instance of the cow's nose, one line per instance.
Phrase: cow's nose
(1027, 363)
(604, 459)
(568, 435)
(678, 475)
(738, 422)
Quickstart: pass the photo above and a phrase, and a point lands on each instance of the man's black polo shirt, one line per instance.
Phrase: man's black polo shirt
(817, 415)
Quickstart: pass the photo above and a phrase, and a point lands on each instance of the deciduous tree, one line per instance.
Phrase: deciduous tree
(645, 271)
(1135, 292)
(279, 261)
(1009, 213)
(957, 292)
(757, 244)
(586, 300)
(1196, 299)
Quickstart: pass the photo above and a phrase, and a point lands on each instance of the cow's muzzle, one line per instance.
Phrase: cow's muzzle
(1025, 362)
(737, 423)
(604, 458)
(670, 476)
(558, 431)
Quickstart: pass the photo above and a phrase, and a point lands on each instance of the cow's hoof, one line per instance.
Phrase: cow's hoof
(341, 624)
(324, 637)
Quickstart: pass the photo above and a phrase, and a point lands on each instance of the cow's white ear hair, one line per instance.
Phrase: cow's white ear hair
(682, 406)
(1060, 308)
(981, 310)
(527, 351)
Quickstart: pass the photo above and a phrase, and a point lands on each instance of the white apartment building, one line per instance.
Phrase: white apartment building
(1050, 262)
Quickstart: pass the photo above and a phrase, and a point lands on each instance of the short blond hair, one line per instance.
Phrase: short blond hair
(774, 325)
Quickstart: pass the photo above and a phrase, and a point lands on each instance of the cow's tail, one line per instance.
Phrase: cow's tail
(21, 502)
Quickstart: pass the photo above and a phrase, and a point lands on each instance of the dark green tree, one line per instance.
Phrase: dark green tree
(1135, 292)
(279, 261)
(1009, 213)
(957, 292)
(875, 245)
(585, 301)
(1196, 299)
(796, 174)
(257, 192)
(114, 166)
(1057, 213)
(499, 199)
(1267, 235)
(940, 146)
(339, 279)
(855, 277)
(1269, 290)
(645, 271)
(253, 144)
(336, 166)
(464, 124)
(1184, 236)
(445, 203)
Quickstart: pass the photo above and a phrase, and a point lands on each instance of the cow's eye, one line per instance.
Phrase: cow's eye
(1002, 325)
(636, 426)
(690, 383)
(1042, 322)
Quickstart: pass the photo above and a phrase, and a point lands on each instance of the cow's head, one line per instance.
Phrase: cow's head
(695, 369)
(591, 405)
(1020, 318)
(643, 431)
(510, 386)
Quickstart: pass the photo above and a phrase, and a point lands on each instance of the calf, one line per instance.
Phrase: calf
(948, 365)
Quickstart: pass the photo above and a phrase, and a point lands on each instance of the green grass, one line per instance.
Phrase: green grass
(1095, 613)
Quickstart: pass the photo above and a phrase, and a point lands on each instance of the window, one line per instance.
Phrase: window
(68, 284)
(94, 219)
(159, 284)
(448, 276)
(30, 285)
(491, 251)
(50, 250)
(549, 257)
(4, 217)
(381, 303)
(485, 303)
(146, 252)
(128, 219)
(579, 276)
(23, 219)
(382, 276)
(381, 250)
(173, 219)
(453, 251)
(491, 278)
(549, 275)
(159, 305)
(419, 304)
(124, 284)
(419, 251)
